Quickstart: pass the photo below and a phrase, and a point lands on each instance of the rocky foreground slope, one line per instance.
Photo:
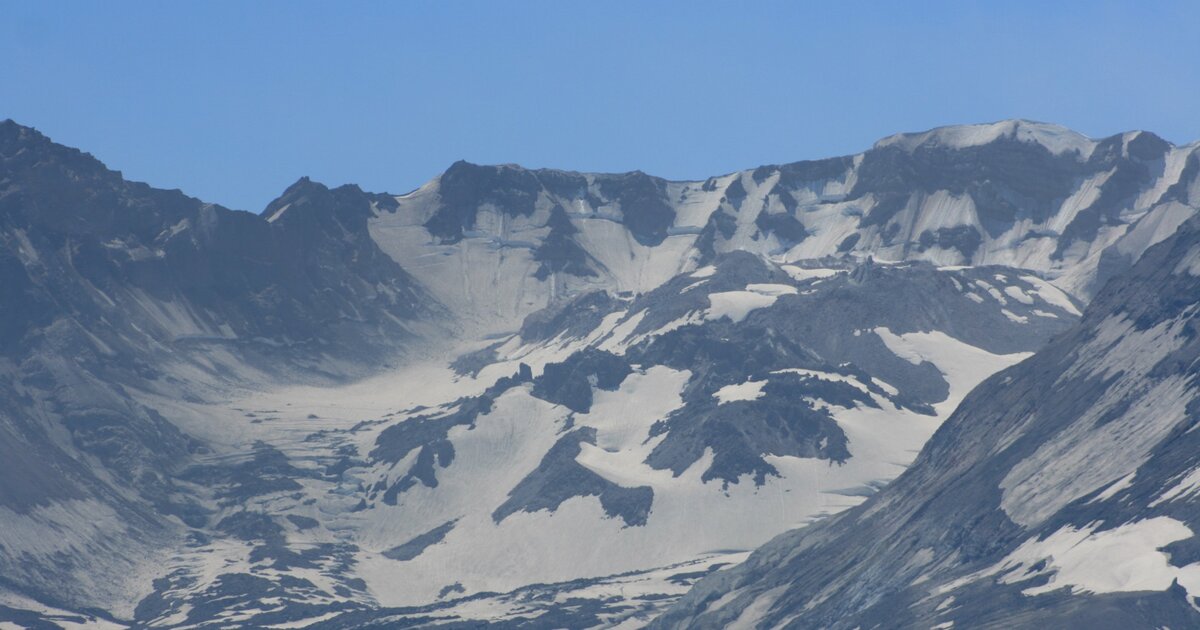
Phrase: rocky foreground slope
(1061, 493)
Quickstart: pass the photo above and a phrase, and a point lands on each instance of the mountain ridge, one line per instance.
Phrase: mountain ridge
(117, 299)
(998, 197)
(240, 395)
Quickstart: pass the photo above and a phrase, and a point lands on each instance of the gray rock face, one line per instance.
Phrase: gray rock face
(1044, 501)
(414, 547)
(571, 382)
(464, 187)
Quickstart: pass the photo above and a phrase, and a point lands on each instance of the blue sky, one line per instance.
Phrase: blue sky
(233, 101)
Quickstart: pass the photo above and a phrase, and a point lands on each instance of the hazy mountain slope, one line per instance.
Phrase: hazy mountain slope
(498, 242)
(111, 291)
(80, 239)
(1061, 493)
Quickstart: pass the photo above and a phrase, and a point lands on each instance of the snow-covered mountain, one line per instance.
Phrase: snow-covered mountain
(529, 396)
(734, 402)
(499, 242)
(1060, 494)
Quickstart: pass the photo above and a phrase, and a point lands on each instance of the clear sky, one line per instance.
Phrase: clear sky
(233, 101)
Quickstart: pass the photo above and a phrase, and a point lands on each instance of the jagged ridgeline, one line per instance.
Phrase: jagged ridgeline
(1014, 193)
(542, 397)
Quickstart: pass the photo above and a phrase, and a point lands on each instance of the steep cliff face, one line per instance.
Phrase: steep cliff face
(1061, 493)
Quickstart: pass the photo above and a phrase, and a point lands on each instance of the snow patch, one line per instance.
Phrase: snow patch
(1115, 488)
(750, 390)
(1052, 295)
(1186, 488)
(772, 289)
(962, 365)
(831, 377)
(801, 274)
(736, 305)
(1017, 294)
(1020, 319)
(1120, 560)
